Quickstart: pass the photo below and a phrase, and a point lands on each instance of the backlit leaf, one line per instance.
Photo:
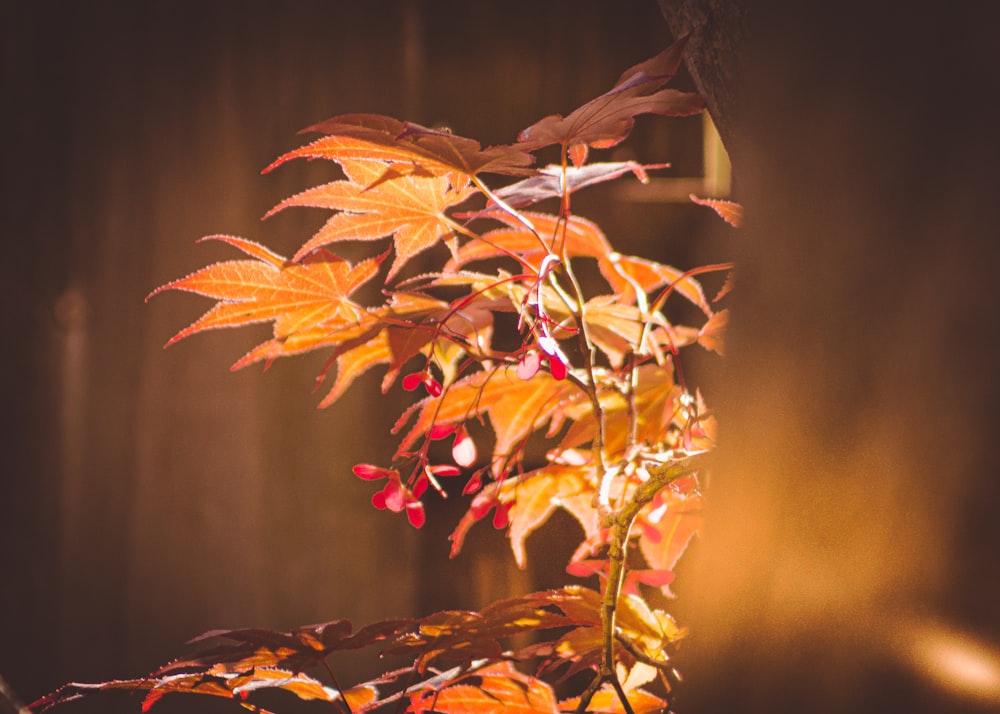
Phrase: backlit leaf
(712, 334)
(548, 182)
(409, 208)
(516, 407)
(297, 297)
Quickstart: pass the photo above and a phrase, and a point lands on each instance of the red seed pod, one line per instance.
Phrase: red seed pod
(415, 514)
(372, 473)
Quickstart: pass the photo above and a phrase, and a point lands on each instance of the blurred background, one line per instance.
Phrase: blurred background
(850, 561)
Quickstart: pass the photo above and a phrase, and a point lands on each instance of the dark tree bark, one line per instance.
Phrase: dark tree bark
(714, 54)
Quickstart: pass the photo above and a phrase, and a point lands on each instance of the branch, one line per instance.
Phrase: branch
(620, 523)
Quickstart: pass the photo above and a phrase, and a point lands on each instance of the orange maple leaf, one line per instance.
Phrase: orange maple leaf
(500, 690)
(538, 493)
(410, 208)
(298, 297)
(516, 408)
(668, 523)
(656, 399)
(582, 238)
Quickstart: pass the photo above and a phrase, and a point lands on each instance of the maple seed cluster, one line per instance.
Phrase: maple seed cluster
(596, 380)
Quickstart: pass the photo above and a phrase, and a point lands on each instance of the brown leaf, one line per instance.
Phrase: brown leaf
(730, 211)
(606, 121)
(373, 137)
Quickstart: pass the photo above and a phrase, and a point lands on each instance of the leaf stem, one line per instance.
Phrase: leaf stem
(513, 212)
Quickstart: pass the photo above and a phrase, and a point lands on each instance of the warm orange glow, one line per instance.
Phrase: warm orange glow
(956, 661)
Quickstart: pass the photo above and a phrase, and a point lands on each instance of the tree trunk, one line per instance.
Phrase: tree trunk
(714, 55)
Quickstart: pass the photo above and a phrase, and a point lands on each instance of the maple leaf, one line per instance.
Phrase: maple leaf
(576, 237)
(606, 701)
(712, 334)
(499, 689)
(410, 208)
(374, 137)
(538, 493)
(463, 637)
(549, 181)
(605, 121)
(516, 407)
(625, 274)
(298, 297)
(409, 325)
(731, 212)
(667, 525)
(298, 649)
(656, 399)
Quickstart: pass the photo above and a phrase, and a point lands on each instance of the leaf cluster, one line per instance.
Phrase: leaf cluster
(455, 660)
(586, 408)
